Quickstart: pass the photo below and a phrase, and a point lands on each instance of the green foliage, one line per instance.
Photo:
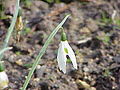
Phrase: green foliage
(117, 22)
(108, 20)
(105, 19)
(107, 73)
(28, 65)
(1, 7)
(1, 11)
(27, 3)
(2, 68)
(52, 1)
(105, 38)
(18, 53)
(49, 1)
(26, 31)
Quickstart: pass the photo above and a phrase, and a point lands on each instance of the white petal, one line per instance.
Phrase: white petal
(61, 58)
(3, 80)
(71, 54)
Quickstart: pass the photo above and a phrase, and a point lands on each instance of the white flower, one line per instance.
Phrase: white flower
(3, 80)
(63, 51)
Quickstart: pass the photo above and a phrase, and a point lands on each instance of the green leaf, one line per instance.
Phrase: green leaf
(5, 49)
(29, 65)
(2, 68)
(10, 29)
(49, 1)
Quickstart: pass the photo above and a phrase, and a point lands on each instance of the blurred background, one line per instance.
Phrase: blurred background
(93, 31)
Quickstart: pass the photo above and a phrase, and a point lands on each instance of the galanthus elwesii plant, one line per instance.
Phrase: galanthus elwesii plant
(43, 49)
(64, 51)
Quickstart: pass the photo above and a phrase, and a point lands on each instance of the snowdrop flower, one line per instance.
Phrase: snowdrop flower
(63, 51)
(3, 80)
(3, 77)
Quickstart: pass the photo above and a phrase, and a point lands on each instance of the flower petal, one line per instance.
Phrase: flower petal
(71, 54)
(3, 80)
(61, 58)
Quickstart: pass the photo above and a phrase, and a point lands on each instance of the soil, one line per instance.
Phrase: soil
(96, 43)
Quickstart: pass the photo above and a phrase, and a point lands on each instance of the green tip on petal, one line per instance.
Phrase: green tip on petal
(69, 61)
(2, 68)
(63, 37)
(66, 50)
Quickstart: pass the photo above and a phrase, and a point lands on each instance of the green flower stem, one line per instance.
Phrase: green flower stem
(10, 29)
(2, 68)
(41, 53)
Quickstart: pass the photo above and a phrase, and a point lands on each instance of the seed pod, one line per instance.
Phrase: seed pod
(19, 23)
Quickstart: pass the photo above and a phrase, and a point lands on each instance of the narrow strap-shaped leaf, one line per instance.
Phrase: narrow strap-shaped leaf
(5, 49)
(10, 29)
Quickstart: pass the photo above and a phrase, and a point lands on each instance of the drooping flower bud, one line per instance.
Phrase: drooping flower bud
(19, 22)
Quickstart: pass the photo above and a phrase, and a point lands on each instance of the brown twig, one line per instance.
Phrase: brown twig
(58, 11)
